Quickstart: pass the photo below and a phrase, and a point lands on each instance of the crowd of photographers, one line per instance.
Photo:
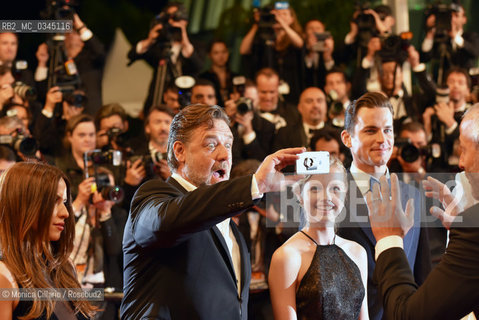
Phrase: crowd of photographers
(292, 90)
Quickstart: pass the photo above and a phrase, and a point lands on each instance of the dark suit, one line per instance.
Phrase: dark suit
(464, 57)
(352, 227)
(257, 149)
(452, 288)
(176, 262)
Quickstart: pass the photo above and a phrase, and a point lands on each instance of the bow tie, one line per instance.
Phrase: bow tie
(314, 131)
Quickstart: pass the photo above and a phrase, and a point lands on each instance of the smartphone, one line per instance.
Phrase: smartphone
(314, 162)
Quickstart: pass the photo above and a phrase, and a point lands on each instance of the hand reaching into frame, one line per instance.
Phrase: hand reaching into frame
(386, 215)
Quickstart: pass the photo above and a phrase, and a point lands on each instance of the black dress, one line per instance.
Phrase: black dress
(331, 287)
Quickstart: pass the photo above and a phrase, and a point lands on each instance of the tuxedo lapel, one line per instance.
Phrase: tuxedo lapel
(245, 265)
(360, 212)
(223, 250)
(302, 135)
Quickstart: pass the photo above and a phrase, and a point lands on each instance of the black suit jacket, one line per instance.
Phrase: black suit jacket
(176, 262)
(464, 57)
(257, 149)
(452, 288)
(354, 225)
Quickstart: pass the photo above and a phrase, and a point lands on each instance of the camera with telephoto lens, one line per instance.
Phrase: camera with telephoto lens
(97, 158)
(107, 190)
(184, 85)
(169, 32)
(443, 13)
(24, 91)
(366, 24)
(243, 104)
(20, 142)
(118, 136)
(320, 45)
(411, 153)
(150, 161)
(60, 9)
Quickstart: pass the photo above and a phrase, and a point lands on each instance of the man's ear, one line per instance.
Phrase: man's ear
(179, 151)
(125, 125)
(346, 138)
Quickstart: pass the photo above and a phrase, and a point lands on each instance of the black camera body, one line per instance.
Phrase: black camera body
(98, 158)
(395, 47)
(244, 105)
(411, 153)
(118, 136)
(107, 190)
(60, 9)
(265, 25)
(443, 13)
(168, 32)
(320, 46)
(366, 24)
(28, 146)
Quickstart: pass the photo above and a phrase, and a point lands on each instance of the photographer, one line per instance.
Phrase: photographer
(204, 92)
(391, 80)
(219, 73)
(442, 120)
(153, 152)
(49, 127)
(446, 38)
(113, 133)
(17, 137)
(171, 98)
(275, 41)
(97, 253)
(168, 39)
(88, 55)
(411, 133)
(313, 110)
(318, 59)
(99, 223)
(253, 135)
(8, 55)
(366, 25)
(337, 89)
(79, 138)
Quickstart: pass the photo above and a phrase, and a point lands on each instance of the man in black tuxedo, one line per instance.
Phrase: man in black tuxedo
(183, 256)
(461, 47)
(313, 110)
(451, 289)
(369, 135)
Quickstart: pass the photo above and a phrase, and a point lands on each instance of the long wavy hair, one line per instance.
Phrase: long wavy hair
(28, 193)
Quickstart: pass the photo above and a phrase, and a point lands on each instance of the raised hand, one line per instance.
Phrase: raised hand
(269, 176)
(386, 215)
(451, 204)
